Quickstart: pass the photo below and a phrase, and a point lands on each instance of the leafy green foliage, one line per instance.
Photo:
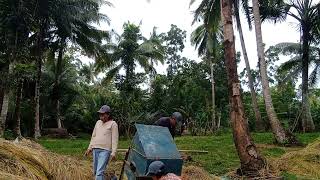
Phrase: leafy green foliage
(174, 42)
(293, 67)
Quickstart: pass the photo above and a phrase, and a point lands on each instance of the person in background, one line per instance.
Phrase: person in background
(157, 170)
(170, 122)
(104, 142)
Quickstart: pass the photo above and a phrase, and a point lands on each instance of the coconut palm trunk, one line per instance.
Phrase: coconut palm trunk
(40, 42)
(281, 136)
(6, 94)
(5, 101)
(259, 122)
(1, 96)
(213, 96)
(307, 122)
(4, 112)
(37, 133)
(250, 159)
(17, 111)
(56, 88)
(151, 76)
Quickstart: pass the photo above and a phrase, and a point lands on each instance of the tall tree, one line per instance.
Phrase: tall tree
(208, 46)
(293, 67)
(174, 42)
(129, 52)
(75, 27)
(14, 28)
(23, 72)
(251, 160)
(43, 13)
(281, 136)
(207, 38)
(155, 42)
(51, 26)
(306, 12)
(4, 107)
(259, 122)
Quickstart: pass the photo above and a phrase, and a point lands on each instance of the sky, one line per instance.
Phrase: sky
(163, 13)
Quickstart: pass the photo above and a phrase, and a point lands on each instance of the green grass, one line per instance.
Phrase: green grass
(222, 156)
(74, 147)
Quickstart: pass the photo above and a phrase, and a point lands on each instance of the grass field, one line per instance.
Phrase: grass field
(222, 156)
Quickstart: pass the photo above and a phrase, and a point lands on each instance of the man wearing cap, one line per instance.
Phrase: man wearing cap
(104, 142)
(157, 170)
(170, 122)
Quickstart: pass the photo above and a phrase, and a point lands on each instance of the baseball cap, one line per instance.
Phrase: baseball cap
(156, 168)
(177, 116)
(104, 109)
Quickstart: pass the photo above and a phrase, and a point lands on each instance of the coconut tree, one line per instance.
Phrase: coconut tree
(259, 123)
(293, 67)
(207, 38)
(75, 27)
(306, 13)
(211, 19)
(250, 159)
(22, 72)
(281, 135)
(56, 22)
(154, 42)
(208, 44)
(129, 52)
(87, 72)
(15, 23)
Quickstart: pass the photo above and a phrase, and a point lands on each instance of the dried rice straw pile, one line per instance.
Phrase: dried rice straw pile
(193, 173)
(305, 162)
(7, 176)
(29, 160)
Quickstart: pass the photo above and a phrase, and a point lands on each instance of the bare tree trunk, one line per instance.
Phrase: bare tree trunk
(1, 96)
(5, 102)
(40, 39)
(307, 122)
(37, 133)
(259, 123)
(17, 111)
(4, 112)
(214, 126)
(281, 136)
(57, 87)
(2, 93)
(59, 122)
(250, 159)
(151, 76)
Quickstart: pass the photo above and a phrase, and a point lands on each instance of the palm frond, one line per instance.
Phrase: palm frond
(112, 73)
(293, 63)
(198, 39)
(288, 48)
(143, 62)
(314, 76)
(152, 50)
(274, 10)
(247, 11)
